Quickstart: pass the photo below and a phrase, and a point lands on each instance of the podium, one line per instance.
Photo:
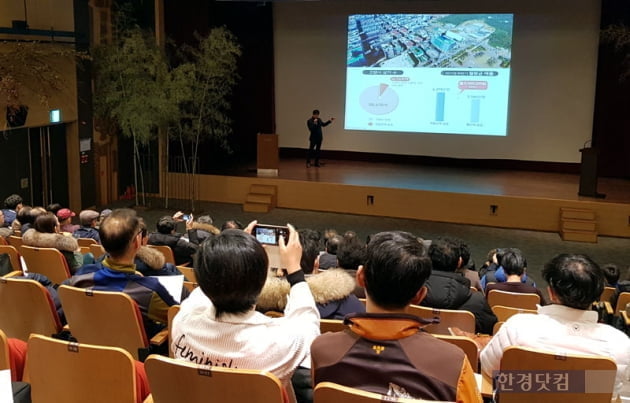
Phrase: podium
(588, 173)
(267, 160)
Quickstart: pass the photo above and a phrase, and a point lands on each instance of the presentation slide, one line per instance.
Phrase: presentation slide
(429, 73)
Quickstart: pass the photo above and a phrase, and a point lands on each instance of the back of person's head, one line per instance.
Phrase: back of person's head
(612, 273)
(464, 252)
(513, 262)
(310, 249)
(397, 267)
(205, 219)
(54, 208)
(576, 280)
(46, 222)
(88, 217)
(11, 202)
(231, 271)
(28, 214)
(444, 253)
(166, 225)
(232, 224)
(315, 112)
(332, 244)
(118, 230)
(351, 253)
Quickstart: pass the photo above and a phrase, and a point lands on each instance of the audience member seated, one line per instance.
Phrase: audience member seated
(494, 272)
(5, 231)
(88, 219)
(65, 220)
(448, 289)
(150, 261)
(217, 324)
(514, 265)
(45, 234)
(328, 259)
(104, 215)
(466, 264)
(386, 351)
(232, 224)
(568, 326)
(54, 208)
(12, 205)
(120, 236)
(166, 235)
(332, 289)
(201, 229)
(26, 218)
(351, 254)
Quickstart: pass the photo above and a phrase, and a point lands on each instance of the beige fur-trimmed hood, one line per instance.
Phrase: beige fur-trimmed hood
(47, 240)
(152, 257)
(206, 227)
(327, 286)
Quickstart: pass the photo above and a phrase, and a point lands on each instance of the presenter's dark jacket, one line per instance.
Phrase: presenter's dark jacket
(316, 128)
(390, 354)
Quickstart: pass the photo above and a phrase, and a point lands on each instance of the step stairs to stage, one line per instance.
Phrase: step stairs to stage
(260, 199)
(578, 225)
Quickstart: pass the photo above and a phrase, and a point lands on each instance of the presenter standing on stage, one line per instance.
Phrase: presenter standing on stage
(315, 125)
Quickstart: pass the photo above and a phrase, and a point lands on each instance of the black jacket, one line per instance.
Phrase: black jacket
(450, 290)
(182, 249)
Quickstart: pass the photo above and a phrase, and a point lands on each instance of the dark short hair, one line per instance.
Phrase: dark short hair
(513, 262)
(315, 111)
(45, 223)
(576, 280)
(54, 208)
(397, 267)
(28, 214)
(444, 253)
(231, 271)
(351, 253)
(11, 202)
(232, 224)
(310, 249)
(332, 244)
(611, 272)
(117, 231)
(464, 252)
(166, 225)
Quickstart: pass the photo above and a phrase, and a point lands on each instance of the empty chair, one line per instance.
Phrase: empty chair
(503, 313)
(61, 371)
(174, 381)
(14, 256)
(47, 261)
(597, 387)
(28, 308)
(166, 251)
(513, 299)
(107, 318)
(607, 294)
(464, 320)
(622, 301)
(328, 392)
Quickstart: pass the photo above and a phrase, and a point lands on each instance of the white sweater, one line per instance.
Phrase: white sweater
(247, 341)
(560, 329)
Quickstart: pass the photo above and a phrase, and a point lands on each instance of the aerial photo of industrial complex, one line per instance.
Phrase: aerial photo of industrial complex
(430, 40)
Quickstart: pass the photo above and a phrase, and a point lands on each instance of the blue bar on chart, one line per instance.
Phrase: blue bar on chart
(439, 106)
(475, 106)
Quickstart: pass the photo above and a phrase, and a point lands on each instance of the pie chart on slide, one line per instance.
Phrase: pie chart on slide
(379, 99)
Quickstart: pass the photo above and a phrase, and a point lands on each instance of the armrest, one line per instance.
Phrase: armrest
(160, 338)
(14, 273)
(609, 308)
(625, 317)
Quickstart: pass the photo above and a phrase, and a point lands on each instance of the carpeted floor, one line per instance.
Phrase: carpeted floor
(538, 247)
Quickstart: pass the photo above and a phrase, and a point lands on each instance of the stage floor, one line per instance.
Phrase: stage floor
(455, 180)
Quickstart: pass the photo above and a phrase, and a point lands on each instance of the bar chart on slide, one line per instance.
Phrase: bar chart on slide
(475, 110)
(440, 100)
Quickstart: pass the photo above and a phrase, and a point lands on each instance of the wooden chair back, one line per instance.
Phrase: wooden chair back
(3, 241)
(503, 313)
(47, 261)
(14, 256)
(15, 241)
(622, 301)
(166, 251)
(529, 359)
(607, 294)
(328, 392)
(188, 272)
(97, 250)
(61, 371)
(468, 345)
(513, 299)
(28, 309)
(497, 327)
(104, 318)
(331, 325)
(87, 241)
(448, 318)
(5, 359)
(172, 311)
(181, 381)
